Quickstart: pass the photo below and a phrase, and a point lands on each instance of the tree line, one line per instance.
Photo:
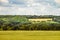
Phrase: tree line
(22, 23)
(29, 26)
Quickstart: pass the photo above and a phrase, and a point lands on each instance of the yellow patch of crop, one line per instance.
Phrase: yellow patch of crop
(29, 35)
(40, 19)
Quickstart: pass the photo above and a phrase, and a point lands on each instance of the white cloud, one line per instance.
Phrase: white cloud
(16, 11)
(33, 8)
(4, 1)
(0, 8)
(30, 1)
(57, 1)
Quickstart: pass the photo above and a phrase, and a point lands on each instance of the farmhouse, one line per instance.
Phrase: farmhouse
(41, 19)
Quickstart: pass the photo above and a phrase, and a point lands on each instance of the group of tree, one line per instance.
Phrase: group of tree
(22, 23)
(29, 26)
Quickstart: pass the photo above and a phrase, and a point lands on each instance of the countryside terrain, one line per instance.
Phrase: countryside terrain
(20, 28)
(29, 35)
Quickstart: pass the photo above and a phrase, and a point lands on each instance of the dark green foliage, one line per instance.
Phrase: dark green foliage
(22, 23)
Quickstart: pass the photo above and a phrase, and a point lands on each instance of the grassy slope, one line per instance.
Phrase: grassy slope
(29, 35)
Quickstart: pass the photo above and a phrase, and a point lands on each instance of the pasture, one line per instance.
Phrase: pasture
(29, 35)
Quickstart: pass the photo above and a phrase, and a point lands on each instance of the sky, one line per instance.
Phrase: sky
(30, 7)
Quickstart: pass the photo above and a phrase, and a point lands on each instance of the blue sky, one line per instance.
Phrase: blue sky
(29, 7)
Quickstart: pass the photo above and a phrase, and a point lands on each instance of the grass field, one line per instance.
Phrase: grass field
(29, 35)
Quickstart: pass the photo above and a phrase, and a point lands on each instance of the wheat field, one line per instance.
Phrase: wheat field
(43, 19)
(29, 35)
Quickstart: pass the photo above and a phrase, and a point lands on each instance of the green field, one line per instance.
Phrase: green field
(29, 35)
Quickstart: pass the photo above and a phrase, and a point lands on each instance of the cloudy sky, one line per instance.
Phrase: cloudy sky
(29, 7)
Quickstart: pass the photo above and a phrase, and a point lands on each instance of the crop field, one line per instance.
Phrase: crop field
(43, 19)
(29, 35)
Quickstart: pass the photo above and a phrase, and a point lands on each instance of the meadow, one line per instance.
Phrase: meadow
(29, 35)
